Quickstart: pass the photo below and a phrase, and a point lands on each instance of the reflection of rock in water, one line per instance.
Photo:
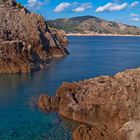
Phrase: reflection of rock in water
(32, 103)
(111, 105)
(68, 123)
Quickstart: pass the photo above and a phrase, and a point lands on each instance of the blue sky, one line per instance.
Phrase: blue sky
(124, 11)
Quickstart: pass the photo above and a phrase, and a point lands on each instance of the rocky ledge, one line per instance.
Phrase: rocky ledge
(108, 106)
(26, 42)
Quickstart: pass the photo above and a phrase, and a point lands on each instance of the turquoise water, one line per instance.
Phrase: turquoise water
(89, 57)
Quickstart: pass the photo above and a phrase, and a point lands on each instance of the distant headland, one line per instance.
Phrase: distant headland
(93, 26)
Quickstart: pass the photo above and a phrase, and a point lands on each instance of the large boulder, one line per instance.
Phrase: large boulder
(38, 42)
(130, 131)
(86, 132)
(105, 103)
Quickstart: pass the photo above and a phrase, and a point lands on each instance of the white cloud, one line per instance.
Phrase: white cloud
(34, 4)
(83, 7)
(75, 3)
(134, 15)
(111, 7)
(62, 6)
(136, 19)
(73, 6)
(134, 4)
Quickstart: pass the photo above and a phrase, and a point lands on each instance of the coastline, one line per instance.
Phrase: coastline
(107, 107)
(103, 35)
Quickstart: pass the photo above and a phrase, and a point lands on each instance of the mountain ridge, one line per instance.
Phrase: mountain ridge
(92, 25)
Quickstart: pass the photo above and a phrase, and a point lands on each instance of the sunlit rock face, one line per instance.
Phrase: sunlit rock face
(110, 105)
(26, 42)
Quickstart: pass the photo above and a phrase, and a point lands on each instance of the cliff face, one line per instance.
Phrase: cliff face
(93, 25)
(110, 106)
(26, 42)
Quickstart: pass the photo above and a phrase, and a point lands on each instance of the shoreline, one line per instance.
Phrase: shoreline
(103, 104)
(102, 35)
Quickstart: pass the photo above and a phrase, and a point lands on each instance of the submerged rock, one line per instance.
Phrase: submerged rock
(47, 103)
(26, 42)
(108, 104)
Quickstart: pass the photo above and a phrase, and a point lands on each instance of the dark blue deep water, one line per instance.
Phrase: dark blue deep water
(89, 57)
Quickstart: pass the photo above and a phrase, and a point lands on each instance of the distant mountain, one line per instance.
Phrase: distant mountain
(92, 25)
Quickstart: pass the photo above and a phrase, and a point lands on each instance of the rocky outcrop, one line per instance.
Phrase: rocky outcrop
(110, 105)
(130, 131)
(26, 42)
(85, 132)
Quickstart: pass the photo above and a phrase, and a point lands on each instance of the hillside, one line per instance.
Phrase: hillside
(93, 25)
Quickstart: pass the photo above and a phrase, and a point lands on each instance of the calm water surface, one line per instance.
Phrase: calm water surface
(89, 57)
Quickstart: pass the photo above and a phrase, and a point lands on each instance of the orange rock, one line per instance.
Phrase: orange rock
(106, 103)
(25, 39)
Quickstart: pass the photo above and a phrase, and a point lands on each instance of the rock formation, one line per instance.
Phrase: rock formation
(26, 42)
(108, 106)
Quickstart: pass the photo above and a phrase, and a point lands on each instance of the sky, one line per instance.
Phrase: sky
(124, 11)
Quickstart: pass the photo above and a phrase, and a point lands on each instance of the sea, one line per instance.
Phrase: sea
(20, 118)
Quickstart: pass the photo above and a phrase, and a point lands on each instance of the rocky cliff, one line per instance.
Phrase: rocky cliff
(108, 106)
(90, 25)
(26, 42)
